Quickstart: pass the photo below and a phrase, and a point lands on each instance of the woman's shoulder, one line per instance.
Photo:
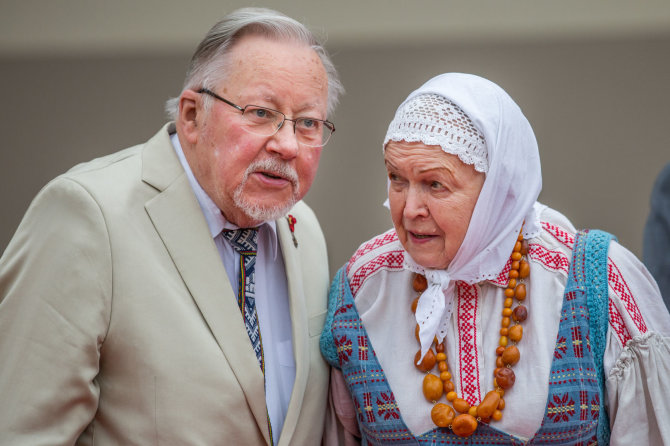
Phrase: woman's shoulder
(636, 306)
(381, 253)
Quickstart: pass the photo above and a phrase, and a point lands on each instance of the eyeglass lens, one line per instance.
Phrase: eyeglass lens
(266, 122)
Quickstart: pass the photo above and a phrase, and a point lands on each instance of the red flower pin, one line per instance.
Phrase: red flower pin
(291, 225)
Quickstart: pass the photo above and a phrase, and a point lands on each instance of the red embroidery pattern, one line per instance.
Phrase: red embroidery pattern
(380, 240)
(367, 400)
(554, 260)
(359, 411)
(620, 287)
(595, 406)
(389, 260)
(559, 234)
(583, 405)
(577, 343)
(387, 407)
(468, 360)
(561, 409)
(561, 347)
(343, 346)
(618, 325)
(503, 277)
(363, 348)
(343, 309)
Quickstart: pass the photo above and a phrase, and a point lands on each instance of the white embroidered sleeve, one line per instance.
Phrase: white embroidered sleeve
(637, 356)
(638, 391)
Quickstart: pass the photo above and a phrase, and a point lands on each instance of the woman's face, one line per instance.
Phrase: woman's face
(432, 195)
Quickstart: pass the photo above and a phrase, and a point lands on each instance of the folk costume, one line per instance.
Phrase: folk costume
(595, 342)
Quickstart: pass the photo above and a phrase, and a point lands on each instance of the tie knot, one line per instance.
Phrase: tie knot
(244, 239)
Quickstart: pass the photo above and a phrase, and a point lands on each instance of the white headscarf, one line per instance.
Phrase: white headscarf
(513, 183)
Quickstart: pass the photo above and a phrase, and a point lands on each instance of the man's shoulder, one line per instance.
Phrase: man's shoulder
(124, 167)
(95, 166)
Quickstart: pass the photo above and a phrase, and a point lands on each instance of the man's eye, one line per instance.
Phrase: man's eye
(436, 185)
(261, 113)
(309, 124)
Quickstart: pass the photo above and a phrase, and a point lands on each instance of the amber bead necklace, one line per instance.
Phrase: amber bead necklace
(491, 407)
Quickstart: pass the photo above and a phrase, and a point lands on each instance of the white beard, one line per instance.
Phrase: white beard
(261, 213)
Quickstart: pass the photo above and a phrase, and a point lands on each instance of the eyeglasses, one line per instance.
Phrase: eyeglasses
(264, 121)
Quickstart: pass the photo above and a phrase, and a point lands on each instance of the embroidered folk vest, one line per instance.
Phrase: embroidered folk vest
(574, 413)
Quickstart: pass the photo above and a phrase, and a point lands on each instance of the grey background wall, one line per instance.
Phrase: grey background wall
(83, 79)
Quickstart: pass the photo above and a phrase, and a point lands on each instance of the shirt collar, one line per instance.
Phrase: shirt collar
(213, 215)
(502, 278)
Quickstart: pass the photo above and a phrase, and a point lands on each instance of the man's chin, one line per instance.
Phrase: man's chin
(261, 212)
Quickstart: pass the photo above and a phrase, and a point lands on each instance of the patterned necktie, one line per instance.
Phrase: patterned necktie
(244, 242)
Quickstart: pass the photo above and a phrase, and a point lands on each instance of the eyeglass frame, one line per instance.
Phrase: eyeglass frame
(327, 124)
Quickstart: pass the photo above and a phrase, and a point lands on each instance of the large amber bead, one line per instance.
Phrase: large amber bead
(511, 355)
(464, 425)
(524, 269)
(520, 313)
(524, 247)
(415, 302)
(420, 283)
(442, 414)
(505, 377)
(488, 405)
(432, 387)
(460, 405)
(515, 333)
(428, 361)
(520, 291)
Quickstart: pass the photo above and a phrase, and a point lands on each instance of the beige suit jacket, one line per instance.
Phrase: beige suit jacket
(118, 324)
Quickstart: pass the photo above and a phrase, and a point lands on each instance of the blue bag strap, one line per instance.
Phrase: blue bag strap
(590, 251)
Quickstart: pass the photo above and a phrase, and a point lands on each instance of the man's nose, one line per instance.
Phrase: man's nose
(284, 142)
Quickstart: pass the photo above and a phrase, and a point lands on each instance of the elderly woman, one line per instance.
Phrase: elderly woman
(484, 317)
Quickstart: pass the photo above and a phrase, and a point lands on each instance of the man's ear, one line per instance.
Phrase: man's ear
(189, 119)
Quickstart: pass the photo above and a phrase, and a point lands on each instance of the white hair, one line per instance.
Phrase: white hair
(208, 64)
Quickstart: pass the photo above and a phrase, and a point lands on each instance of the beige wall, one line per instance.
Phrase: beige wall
(600, 110)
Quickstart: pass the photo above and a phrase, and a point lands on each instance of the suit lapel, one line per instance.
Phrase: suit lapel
(178, 219)
(299, 323)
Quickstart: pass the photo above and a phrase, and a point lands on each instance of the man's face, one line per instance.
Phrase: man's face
(254, 178)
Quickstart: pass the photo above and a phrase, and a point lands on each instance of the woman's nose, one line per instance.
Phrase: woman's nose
(415, 205)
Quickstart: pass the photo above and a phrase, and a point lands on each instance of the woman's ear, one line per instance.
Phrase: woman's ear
(187, 119)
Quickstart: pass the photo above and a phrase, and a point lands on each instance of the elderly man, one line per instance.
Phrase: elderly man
(118, 321)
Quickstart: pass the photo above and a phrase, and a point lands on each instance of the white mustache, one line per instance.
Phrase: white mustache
(274, 167)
